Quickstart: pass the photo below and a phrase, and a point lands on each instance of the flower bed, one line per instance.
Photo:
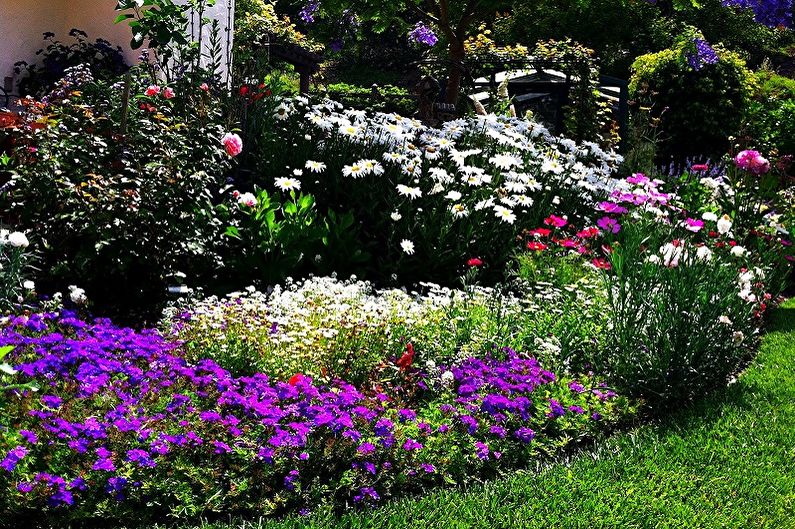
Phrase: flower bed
(121, 420)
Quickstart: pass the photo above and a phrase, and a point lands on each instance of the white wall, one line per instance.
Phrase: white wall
(22, 23)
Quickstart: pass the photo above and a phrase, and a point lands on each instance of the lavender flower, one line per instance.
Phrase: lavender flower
(422, 34)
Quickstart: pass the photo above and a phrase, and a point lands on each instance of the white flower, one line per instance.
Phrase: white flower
(455, 196)
(77, 295)
(247, 199)
(29, 285)
(725, 320)
(315, 167)
(671, 255)
(396, 216)
(737, 251)
(18, 239)
(505, 161)
(551, 165)
(371, 166)
(737, 337)
(703, 253)
(287, 184)
(504, 214)
(709, 216)
(724, 224)
(654, 259)
(447, 378)
(354, 170)
(459, 210)
(407, 246)
(411, 192)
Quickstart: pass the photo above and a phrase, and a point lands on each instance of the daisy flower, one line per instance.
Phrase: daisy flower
(504, 214)
(315, 167)
(355, 170)
(411, 192)
(455, 196)
(459, 210)
(288, 184)
(407, 246)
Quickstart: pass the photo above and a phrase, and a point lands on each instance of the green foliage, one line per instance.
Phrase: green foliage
(105, 62)
(679, 328)
(770, 124)
(120, 195)
(276, 239)
(698, 109)
(389, 98)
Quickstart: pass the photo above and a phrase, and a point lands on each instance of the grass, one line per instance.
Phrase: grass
(727, 461)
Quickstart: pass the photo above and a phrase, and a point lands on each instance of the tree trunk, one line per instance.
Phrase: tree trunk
(455, 74)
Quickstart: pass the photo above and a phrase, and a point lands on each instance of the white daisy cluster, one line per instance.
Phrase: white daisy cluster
(489, 166)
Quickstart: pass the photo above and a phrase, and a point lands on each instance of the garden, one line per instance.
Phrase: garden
(431, 263)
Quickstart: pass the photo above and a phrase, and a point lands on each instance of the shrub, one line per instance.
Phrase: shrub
(700, 104)
(120, 196)
(105, 62)
(771, 119)
(389, 98)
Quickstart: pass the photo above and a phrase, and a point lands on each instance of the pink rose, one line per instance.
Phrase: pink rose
(750, 160)
(152, 91)
(168, 93)
(233, 144)
(205, 87)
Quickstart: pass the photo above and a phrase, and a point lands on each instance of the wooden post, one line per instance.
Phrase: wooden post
(306, 76)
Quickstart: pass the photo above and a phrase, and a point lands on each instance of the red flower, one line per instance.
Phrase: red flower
(295, 379)
(602, 264)
(554, 220)
(541, 232)
(474, 262)
(408, 357)
(536, 246)
(587, 233)
(244, 90)
(700, 167)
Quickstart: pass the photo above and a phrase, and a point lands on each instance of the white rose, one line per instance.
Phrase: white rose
(29, 285)
(18, 239)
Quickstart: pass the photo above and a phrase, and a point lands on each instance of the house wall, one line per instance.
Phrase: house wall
(22, 23)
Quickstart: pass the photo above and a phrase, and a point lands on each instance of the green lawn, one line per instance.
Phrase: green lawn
(728, 461)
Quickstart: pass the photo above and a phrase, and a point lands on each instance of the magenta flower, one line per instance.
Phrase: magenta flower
(694, 225)
(752, 161)
(609, 225)
(612, 207)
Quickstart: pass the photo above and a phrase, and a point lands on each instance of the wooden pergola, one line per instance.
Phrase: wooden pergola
(306, 62)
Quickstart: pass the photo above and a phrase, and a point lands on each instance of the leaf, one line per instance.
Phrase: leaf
(6, 368)
(5, 350)
(122, 18)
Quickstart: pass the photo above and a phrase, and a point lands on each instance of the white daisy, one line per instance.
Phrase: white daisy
(407, 246)
(315, 167)
(459, 210)
(396, 216)
(455, 196)
(355, 170)
(288, 184)
(504, 214)
(411, 192)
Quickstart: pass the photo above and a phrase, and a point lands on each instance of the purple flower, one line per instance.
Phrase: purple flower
(13, 457)
(411, 444)
(115, 487)
(524, 434)
(407, 415)
(51, 401)
(482, 450)
(29, 436)
(576, 387)
(428, 468)
(555, 409)
(307, 13)
(141, 458)
(422, 34)
(366, 449)
(366, 493)
(290, 479)
(701, 55)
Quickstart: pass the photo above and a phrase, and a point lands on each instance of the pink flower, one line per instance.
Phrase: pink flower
(152, 91)
(638, 178)
(612, 207)
(474, 262)
(700, 167)
(752, 161)
(168, 93)
(609, 225)
(694, 225)
(556, 221)
(233, 144)
(205, 87)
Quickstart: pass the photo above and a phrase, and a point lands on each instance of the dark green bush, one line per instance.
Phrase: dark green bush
(118, 197)
(388, 98)
(770, 126)
(698, 109)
